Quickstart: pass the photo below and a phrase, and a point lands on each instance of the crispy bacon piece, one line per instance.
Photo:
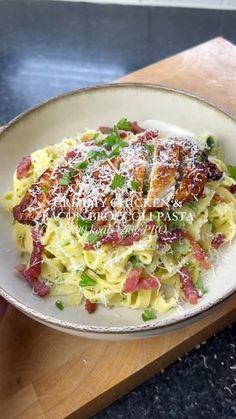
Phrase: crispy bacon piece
(218, 240)
(189, 289)
(32, 273)
(169, 237)
(218, 198)
(105, 130)
(147, 135)
(136, 281)
(213, 172)
(135, 128)
(88, 246)
(22, 170)
(233, 189)
(198, 252)
(90, 307)
(115, 239)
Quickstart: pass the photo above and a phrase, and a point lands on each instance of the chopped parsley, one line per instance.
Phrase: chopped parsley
(156, 218)
(65, 179)
(86, 224)
(191, 205)
(200, 285)
(232, 171)
(44, 188)
(114, 139)
(82, 165)
(118, 181)
(59, 304)
(198, 158)
(134, 184)
(93, 237)
(146, 187)
(124, 124)
(149, 314)
(115, 151)
(210, 142)
(136, 262)
(96, 155)
(87, 281)
(150, 148)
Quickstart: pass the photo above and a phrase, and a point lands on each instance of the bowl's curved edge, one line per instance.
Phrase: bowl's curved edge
(169, 325)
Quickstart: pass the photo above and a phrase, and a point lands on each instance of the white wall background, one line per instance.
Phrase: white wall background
(207, 4)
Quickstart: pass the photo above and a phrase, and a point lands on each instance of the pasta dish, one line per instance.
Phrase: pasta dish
(123, 216)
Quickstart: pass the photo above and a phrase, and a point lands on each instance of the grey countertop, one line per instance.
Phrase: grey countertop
(49, 47)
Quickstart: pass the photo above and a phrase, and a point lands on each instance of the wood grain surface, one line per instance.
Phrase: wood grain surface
(47, 374)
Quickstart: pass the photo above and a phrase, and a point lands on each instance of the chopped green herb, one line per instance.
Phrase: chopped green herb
(149, 314)
(117, 182)
(191, 205)
(136, 262)
(86, 224)
(82, 165)
(182, 224)
(65, 180)
(150, 148)
(124, 124)
(94, 237)
(44, 188)
(134, 184)
(210, 142)
(114, 139)
(146, 187)
(87, 281)
(200, 286)
(156, 218)
(115, 152)
(232, 171)
(97, 155)
(198, 158)
(59, 304)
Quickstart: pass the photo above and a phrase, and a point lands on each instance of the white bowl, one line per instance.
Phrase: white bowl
(63, 116)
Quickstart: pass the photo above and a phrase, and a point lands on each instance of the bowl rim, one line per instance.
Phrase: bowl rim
(169, 324)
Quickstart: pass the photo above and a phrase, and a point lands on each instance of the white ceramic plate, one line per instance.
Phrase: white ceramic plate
(64, 116)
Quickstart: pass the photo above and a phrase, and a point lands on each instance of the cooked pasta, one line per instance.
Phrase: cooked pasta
(122, 216)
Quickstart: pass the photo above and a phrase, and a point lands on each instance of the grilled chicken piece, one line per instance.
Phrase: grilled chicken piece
(164, 174)
(194, 169)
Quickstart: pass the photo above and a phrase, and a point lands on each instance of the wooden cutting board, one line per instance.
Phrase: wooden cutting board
(48, 374)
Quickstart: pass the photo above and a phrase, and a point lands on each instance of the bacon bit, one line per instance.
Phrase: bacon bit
(198, 252)
(127, 241)
(22, 170)
(233, 189)
(169, 237)
(188, 286)
(116, 239)
(213, 172)
(90, 307)
(151, 227)
(137, 281)
(88, 246)
(105, 130)
(32, 273)
(135, 128)
(218, 198)
(123, 134)
(218, 240)
(71, 154)
(147, 135)
(113, 238)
